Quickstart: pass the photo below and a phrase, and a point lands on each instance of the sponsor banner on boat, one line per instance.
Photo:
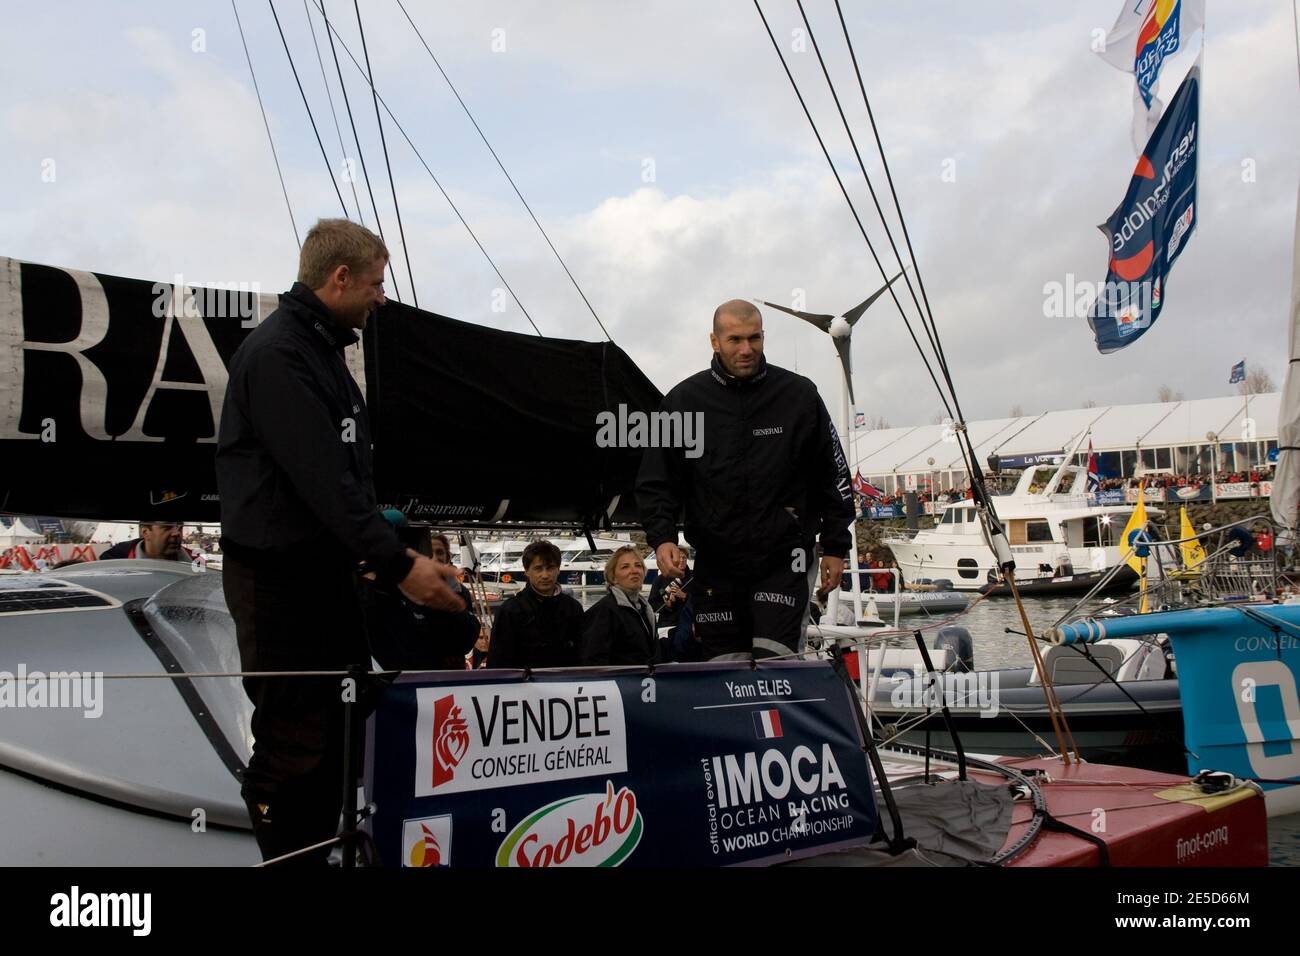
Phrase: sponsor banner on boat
(511, 734)
(693, 765)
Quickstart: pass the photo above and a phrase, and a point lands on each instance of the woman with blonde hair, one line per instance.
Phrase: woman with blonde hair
(620, 627)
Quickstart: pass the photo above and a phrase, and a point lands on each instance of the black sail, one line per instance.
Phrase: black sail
(110, 395)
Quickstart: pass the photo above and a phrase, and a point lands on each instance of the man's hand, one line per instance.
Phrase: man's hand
(427, 584)
(674, 593)
(671, 560)
(832, 573)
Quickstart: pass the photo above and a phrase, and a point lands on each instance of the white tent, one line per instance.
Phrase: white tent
(114, 532)
(18, 534)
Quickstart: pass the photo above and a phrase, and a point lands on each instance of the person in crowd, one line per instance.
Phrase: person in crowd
(159, 540)
(766, 432)
(479, 656)
(892, 565)
(1241, 543)
(1263, 538)
(670, 599)
(540, 626)
(620, 628)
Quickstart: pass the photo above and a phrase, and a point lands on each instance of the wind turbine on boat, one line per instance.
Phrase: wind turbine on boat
(840, 329)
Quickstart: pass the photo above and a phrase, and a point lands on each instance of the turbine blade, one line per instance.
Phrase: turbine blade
(822, 322)
(855, 313)
(842, 346)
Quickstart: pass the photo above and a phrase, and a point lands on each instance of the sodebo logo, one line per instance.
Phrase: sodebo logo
(591, 829)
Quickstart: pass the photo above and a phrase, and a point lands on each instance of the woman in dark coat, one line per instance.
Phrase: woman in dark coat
(620, 627)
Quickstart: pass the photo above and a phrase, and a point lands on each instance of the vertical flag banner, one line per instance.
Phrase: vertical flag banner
(1145, 34)
(859, 419)
(1094, 479)
(1238, 373)
(1151, 226)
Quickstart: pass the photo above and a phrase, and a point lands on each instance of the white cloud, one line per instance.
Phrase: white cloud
(164, 168)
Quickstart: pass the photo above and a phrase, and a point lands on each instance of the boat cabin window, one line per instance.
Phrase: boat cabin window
(1037, 531)
(1041, 477)
(1092, 532)
(970, 514)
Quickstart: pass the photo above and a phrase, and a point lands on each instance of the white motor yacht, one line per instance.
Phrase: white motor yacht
(1054, 530)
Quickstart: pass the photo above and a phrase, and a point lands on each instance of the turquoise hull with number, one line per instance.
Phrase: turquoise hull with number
(1237, 674)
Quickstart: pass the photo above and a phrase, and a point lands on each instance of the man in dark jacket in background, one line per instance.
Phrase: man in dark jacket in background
(769, 480)
(298, 513)
(540, 626)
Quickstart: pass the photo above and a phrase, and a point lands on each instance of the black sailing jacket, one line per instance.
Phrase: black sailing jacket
(535, 631)
(293, 453)
(771, 476)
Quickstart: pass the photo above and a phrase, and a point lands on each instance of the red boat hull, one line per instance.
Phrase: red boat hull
(1145, 819)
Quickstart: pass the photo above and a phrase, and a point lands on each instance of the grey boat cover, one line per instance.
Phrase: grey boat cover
(954, 823)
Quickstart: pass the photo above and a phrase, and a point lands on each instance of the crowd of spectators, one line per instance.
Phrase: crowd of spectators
(1251, 476)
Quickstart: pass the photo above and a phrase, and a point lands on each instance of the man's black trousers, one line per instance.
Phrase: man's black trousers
(295, 615)
(746, 607)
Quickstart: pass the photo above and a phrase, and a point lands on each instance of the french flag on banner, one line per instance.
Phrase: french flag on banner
(767, 724)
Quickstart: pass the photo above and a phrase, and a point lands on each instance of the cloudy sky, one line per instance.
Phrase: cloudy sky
(663, 149)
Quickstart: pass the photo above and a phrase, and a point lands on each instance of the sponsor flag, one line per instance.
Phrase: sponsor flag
(1145, 34)
(866, 488)
(1131, 540)
(1193, 553)
(1150, 227)
(1135, 544)
(1238, 373)
(767, 724)
(859, 419)
(1094, 479)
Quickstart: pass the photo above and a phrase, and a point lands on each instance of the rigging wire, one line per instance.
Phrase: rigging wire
(406, 252)
(853, 209)
(907, 238)
(269, 138)
(361, 156)
(991, 525)
(352, 180)
(930, 336)
(509, 178)
(312, 119)
(434, 177)
(1295, 28)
